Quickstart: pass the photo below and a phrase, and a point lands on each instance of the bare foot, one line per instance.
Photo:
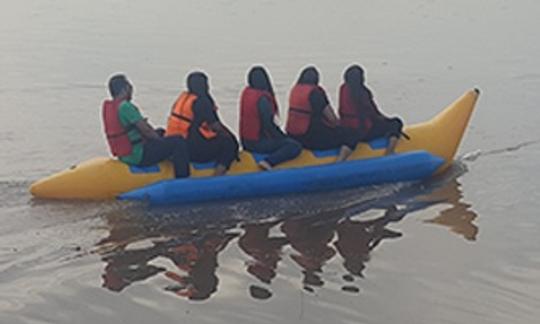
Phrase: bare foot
(392, 142)
(344, 153)
(220, 170)
(265, 166)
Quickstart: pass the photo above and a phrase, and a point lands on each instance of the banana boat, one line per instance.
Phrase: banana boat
(429, 150)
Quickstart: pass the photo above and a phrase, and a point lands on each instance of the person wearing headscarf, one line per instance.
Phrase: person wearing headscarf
(194, 116)
(258, 131)
(358, 111)
(312, 120)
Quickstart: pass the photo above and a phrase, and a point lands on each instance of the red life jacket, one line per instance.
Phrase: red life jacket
(119, 143)
(350, 114)
(300, 110)
(250, 121)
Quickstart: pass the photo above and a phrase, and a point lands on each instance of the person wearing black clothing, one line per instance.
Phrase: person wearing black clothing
(359, 112)
(223, 147)
(258, 131)
(312, 120)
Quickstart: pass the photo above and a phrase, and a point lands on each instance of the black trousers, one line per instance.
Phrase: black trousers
(384, 127)
(173, 148)
(223, 149)
(322, 137)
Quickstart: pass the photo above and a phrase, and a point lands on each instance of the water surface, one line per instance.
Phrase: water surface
(459, 249)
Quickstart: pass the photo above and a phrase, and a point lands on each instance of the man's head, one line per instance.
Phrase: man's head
(119, 87)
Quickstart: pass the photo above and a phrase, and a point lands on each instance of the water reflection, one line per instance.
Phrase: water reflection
(308, 243)
(265, 251)
(311, 242)
(126, 267)
(458, 217)
(198, 260)
(356, 239)
(192, 251)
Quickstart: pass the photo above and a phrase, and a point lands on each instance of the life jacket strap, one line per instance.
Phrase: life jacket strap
(126, 130)
(181, 117)
(124, 133)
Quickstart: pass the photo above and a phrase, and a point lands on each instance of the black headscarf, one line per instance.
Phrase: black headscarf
(197, 83)
(259, 79)
(309, 75)
(354, 78)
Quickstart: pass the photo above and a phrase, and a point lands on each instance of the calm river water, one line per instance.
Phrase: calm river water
(463, 248)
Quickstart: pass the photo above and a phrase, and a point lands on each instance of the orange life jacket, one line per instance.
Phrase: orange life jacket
(300, 110)
(117, 138)
(350, 114)
(182, 116)
(250, 121)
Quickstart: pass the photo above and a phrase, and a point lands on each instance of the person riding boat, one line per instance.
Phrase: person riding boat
(194, 117)
(258, 130)
(132, 139)
(358, 111)
(312, 120)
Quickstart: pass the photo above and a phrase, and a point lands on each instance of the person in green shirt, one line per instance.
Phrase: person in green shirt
(148, 144)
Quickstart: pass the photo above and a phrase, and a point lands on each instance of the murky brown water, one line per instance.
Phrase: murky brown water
(460, 249)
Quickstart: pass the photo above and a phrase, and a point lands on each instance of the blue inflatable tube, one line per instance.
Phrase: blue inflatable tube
(412, 166)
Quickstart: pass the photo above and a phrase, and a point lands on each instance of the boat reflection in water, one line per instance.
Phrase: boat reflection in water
(458, 217)
(265, 253)
(193, 252)
(198, 260)
(356, 239)
(307, 239)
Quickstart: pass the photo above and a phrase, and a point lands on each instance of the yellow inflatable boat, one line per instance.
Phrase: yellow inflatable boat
(106, 178)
